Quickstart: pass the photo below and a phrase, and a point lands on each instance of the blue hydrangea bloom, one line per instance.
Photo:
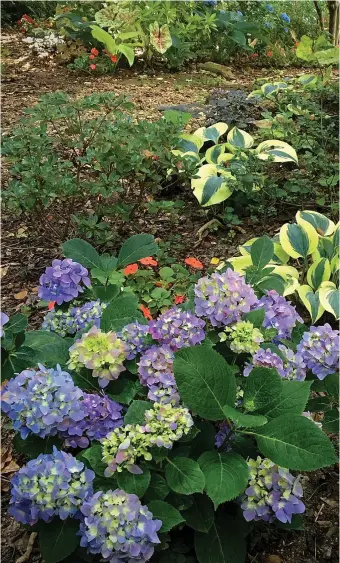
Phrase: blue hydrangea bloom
(63, 281)
(285, 29)
(41, 401)
(134, 335)
(75, 319)
(155, 369)
(268, 25)
(3, 320)
(52, 485)
(290, 366)
(177, 329)
(269, 8)
(285, 17)
(279, 314)
(118, 527)
(239, 13)
(319, 349)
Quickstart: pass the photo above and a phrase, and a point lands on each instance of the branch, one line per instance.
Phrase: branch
(319, 12)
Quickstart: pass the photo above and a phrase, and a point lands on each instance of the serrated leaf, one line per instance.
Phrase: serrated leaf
(226, 475)
(158, 489)
(17, 323)
(135, 248)
(168, 514)
(120, 312)
(33, 446)
(94, 457)
(81, 251)
(50, 349)
(136, 411)
(330, 421)
(291, 400)
(200, 515)
(184, 476)
(134, 484)
(244, 420)
(261, 388)
(224, 543)
(332, 384)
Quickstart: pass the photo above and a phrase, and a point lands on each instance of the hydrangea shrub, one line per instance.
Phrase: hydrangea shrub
(140, 428)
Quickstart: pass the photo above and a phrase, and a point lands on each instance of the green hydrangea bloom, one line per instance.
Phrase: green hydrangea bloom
(243, 337)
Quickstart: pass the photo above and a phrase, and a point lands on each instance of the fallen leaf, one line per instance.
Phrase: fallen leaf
(21, 295)
(3, 271)
(35, 289)
(273, 559)
(8, 467)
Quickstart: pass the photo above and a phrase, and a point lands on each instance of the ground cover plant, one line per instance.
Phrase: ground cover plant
(139, 426)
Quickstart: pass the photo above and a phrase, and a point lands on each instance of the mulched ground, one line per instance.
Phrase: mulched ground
(27, 249)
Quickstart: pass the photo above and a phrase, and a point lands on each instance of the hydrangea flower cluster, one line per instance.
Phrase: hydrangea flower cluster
(224, 437)
(102, 352)
(164, 425)
(117, 526)
(279, 314)
(51, 485)
(134, 335)
(223, 298)
(319, 349)
(289, 365)
(273, 493)
(285, 17)
(75, 319)
(42, 402)
(63, 281)
(178, 329)
(155, 369)
(243, 336)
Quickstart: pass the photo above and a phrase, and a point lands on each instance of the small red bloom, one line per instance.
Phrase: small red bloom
(130, 269)
(269, 53)
(155, 157)
(146, 312)
(23, 30)
(51, 305)
(148, 261)
(194, 263)
(179, 299)
(93, 67)
(114, 58)
(95, 52)
(91, 57)
(254, 55)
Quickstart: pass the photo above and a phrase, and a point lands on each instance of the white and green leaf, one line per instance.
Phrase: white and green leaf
(279, 151)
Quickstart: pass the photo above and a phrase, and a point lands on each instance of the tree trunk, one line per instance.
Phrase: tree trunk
(319, 12)
(333, 9)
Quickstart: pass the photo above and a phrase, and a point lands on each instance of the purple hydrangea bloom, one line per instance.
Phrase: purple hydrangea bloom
(62, 281)
(178, 329)
(42, 401)
(155, 369)
(51, 485)
(118, 527)
(3, 320)
(75, 319)
(291, 367)
(134, 335)
(102, 415)
(224, 436)
(223, 298)
(319, 349)
(279, 314)
(273, 493)
(285, 17)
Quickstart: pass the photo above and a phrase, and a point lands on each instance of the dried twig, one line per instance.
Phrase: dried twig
(25, 557)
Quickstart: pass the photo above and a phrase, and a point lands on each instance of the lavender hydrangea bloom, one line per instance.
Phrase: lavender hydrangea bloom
(273, 493)
(51, 485)
(3, 320)
(319, 349)
(62, 281)
(42, 401)
(223, 298)
(75, 319)
(291, 366)
(224, 437)
(155, 369)
(134, 335)
(117, 526)
(279, 314)
(178, 329)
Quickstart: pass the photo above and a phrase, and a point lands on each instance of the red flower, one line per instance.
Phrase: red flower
(51, 305)
(269, 53)
(148, 261)
(91, 57)
(27, 18)
(194, 263)
(23, 30)
(179, 299)
(19, 22)
(93, 67)
(114, 58)
(254, 55)
(95, 52)
(146, 312)
(130, 269)
(155, 157)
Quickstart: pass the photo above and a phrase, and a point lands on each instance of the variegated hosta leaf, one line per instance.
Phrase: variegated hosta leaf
(255, 94)
(335, 264)
(225, 157)
(289, 274)
(280, 254)
(279, 150)
(336, 238)
(298, 241)
(325, 249)
(291, 285)
(311, 301)
(190, 143)
(272, 87)
(212, 154)
(330, 298)
(160, 37)
(297, 110)
(188, 156)
(323, 226)
(245, 248)
(240, 139)
(212, 133)
(308, 79)
(212, 185)
(319, 272)
(240, 263)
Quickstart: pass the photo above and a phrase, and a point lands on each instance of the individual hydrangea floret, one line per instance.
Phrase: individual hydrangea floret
(3, 320)
(102, 352)
(319, 349)
(118, 527)
(164, 395)
(42, 402)
(178, 329)
(155, 369)
(273, 493)
(223, 298)
(134, 335)
(63, 281)
(288, 364)
(165, 424)
(243, 337)
(75, 319)
(279, 314)
(224, 437)
(102, 415)
(52, 485)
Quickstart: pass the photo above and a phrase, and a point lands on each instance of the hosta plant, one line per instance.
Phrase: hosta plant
(218, 167)
(312, 244)
(193, 423)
